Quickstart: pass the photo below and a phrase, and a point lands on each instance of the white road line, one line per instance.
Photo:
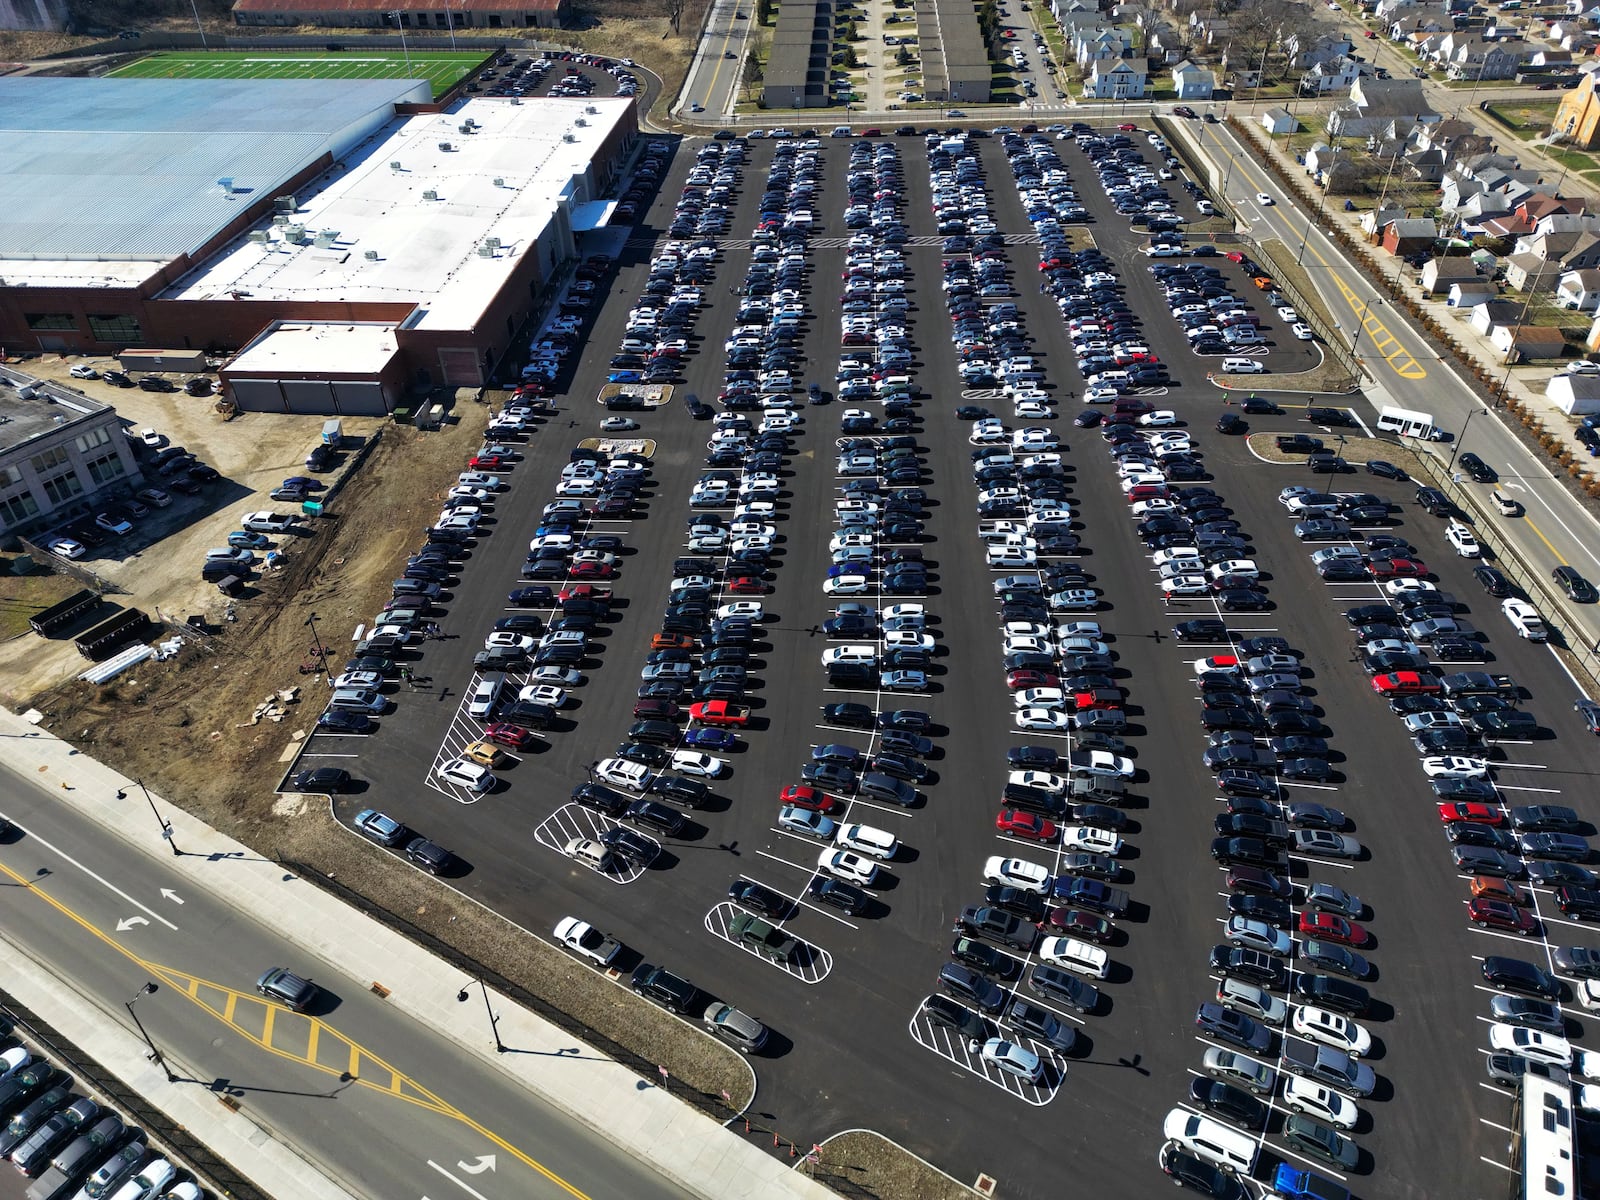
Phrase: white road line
(100, 879)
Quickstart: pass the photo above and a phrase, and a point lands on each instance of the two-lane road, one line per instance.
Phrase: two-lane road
(711, 88)
(384, 1104)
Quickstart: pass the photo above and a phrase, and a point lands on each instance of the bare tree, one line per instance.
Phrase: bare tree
(1257, 31)
(675, 14)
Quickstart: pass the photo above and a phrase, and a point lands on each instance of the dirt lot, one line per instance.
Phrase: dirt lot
(185, 726)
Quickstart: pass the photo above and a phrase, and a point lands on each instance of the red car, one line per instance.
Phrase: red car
(1396, 568)
(1483, 814)
(747, 585)
(1074, 922)
(1497, 914)
(490, 461)
(1234, 256)
(1025, 825)
(1129, 128)
(1332, 927)
(582, 591)
(1098, 699)
(1406, 683)
(803, 795)
(593, 570)
(1017, 680)
(502, 734)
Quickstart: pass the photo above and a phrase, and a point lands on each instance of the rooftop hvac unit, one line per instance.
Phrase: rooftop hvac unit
(395, 166)
(485, 250)
(295, 233)
(280, 221)
(499, 182)
(260, 236)
(371, 256)
(465, 127)
(492, 242)
(567, 137)
(430, 194)
(445, 146)
(592, 110)
(517, 100)
(226, 184)
(326, 238)
(284, 204)
(579, 121)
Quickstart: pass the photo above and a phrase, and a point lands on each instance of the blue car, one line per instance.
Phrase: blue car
(625, 377)
(710, 739)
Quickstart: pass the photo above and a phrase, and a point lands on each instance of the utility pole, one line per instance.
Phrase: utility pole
(155, 1055)
(166, 826)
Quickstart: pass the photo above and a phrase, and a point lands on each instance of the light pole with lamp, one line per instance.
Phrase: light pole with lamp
(166, 826)
(196, 9)
(1455, 449)
(155, 1055)
(494, 1021)
(404, 49)
(322, 651)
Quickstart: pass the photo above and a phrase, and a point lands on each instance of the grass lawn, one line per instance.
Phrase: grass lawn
(1526, 118)
(22, 596)
(440, 69)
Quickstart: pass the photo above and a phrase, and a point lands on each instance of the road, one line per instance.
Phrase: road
(711, 87)
(1405, 372)
(384, 1104)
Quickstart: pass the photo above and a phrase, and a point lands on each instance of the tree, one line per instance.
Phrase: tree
(850, 58)
(989, 19)
(902, 57)
(763, 11)
(674, 14)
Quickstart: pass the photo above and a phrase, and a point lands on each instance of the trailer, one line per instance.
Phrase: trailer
(112, 634)
(63, 611)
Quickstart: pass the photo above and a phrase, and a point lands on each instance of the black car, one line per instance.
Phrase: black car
(1515, 975)
(1185, 1169)
(323, 779)
(837, 894)
(983, 957)
(1235, 1104)
(997, 925)
(1579, 903)
(666, 989)
(1204, 629)
(1338, 994)
(1474, 466)
(758, 898)
(1253, 966)
(1574, 585)
(431, 857)
(1385, 470)
(942, 1010)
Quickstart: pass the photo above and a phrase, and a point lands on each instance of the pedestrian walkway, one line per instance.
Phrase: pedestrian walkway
(679, 1143)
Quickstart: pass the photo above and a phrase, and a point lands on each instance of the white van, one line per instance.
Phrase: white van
(1242, 366)
(1406, 422)
(1211, 1140)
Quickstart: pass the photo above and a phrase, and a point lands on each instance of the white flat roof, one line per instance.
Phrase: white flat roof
(318, 348)
(504, 181)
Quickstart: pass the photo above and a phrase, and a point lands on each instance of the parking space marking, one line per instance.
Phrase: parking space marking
(574, 821)
(947, 1045)
(811, 964)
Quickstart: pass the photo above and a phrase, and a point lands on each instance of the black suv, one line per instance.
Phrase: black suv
(1433, 501)
(838, 894)
(657, 818)
(1253, 966)
(944, 1011)
(1574, 585)
(671, 991)
(1480, 471)
(601, 798)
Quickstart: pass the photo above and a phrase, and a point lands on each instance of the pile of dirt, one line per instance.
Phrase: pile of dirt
(863, 1163)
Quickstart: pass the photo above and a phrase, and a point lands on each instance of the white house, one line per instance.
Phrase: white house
(1190, 82)
(1524, 343)
(1469, 293)
(1332, 75)
(1279, 120)
(1579, 290)
(1491, 314)
(1438, 274)
(1575, 395)
(1115, 79)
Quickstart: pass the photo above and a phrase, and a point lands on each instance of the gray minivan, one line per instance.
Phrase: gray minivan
(883, 787)
(359, 699)
(740, 1030)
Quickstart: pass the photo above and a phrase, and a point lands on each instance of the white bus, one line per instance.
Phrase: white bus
(1407, 423)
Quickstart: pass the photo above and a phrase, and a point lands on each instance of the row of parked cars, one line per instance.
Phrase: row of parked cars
(176, 469)
(1302, 1049)
(73, 1147)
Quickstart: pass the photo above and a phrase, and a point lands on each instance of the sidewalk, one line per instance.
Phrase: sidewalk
(668, 1136)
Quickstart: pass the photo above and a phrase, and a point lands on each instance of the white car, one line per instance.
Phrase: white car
(846, 585)
(1043, 780)
(149, 1183)
(622, 773)
(1100, 762)
(858, 653)
(1160, 417)
(542, 693)
(1302, 331)
(1079, 643)
(466, 774)
(83, 371)
(708, 542)
(1032, 410)
(868, 840)
(469, 495)
(1588, 993)
(1301, 1095)
(1525, 619)
(1399, 587)
(1186, 585)
(1012, 1059)
(12, 1061)
(1531, 1044)
(1091, 838)
(150, 437)
(510, 640)
(618, 424)
(65, 548)
(1265, 200)
(692, 762)
(1331, 1029)
(1040, 697)
(479, 479)
(1074, 955)
(848, 866)
(1455, 766)
(850, 541)
(1043, 720)
(1460, 537)
(907, 639)
(1010, 556)
(742, 608)
(556, 674)
(1018, 873)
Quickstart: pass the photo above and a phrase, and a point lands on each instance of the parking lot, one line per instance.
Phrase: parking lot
(855, 1044)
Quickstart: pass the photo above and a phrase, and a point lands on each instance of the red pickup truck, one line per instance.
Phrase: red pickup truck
(720, 712)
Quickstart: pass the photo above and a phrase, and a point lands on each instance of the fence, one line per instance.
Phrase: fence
(185, 1146)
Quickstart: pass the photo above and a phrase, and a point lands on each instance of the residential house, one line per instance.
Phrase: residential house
(1409, 235)
(1491, 314)
(1279, 120)
(1334, 75)
(1425, 165)
(1115, 79)
(1542, 204)
(1488, 60)
(1524, 343)
(1377, 104)
(1373, 220)
(1579, 290)
(1469, 293)
(1438, 274)
(1529, 272)
(1547, 58)
(1418, 21)
(1485, 206)
(1163, 42)
(1510, 227)
(1208, 29)
(1577, 119)
(1307, 50)
(1575, 395)
(1094, 45)
(1190, 82)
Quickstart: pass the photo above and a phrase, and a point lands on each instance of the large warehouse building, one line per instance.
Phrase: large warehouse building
(216, 214)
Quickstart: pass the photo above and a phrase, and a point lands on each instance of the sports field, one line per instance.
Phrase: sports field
(440, 69)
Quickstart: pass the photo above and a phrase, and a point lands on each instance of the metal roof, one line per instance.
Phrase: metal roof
(129, 168)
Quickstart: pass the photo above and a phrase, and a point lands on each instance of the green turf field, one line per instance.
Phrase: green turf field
(440, 69)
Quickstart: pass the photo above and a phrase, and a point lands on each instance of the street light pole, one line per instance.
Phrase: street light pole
(166, 826)
(494, 1022)
(155, 1055)
(322, 651)
(1460, 437)
(395, 13)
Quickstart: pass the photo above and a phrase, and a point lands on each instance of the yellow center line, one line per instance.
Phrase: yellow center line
(722, 55)
(189, 985)
(1389, 347)
(1539, 533)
